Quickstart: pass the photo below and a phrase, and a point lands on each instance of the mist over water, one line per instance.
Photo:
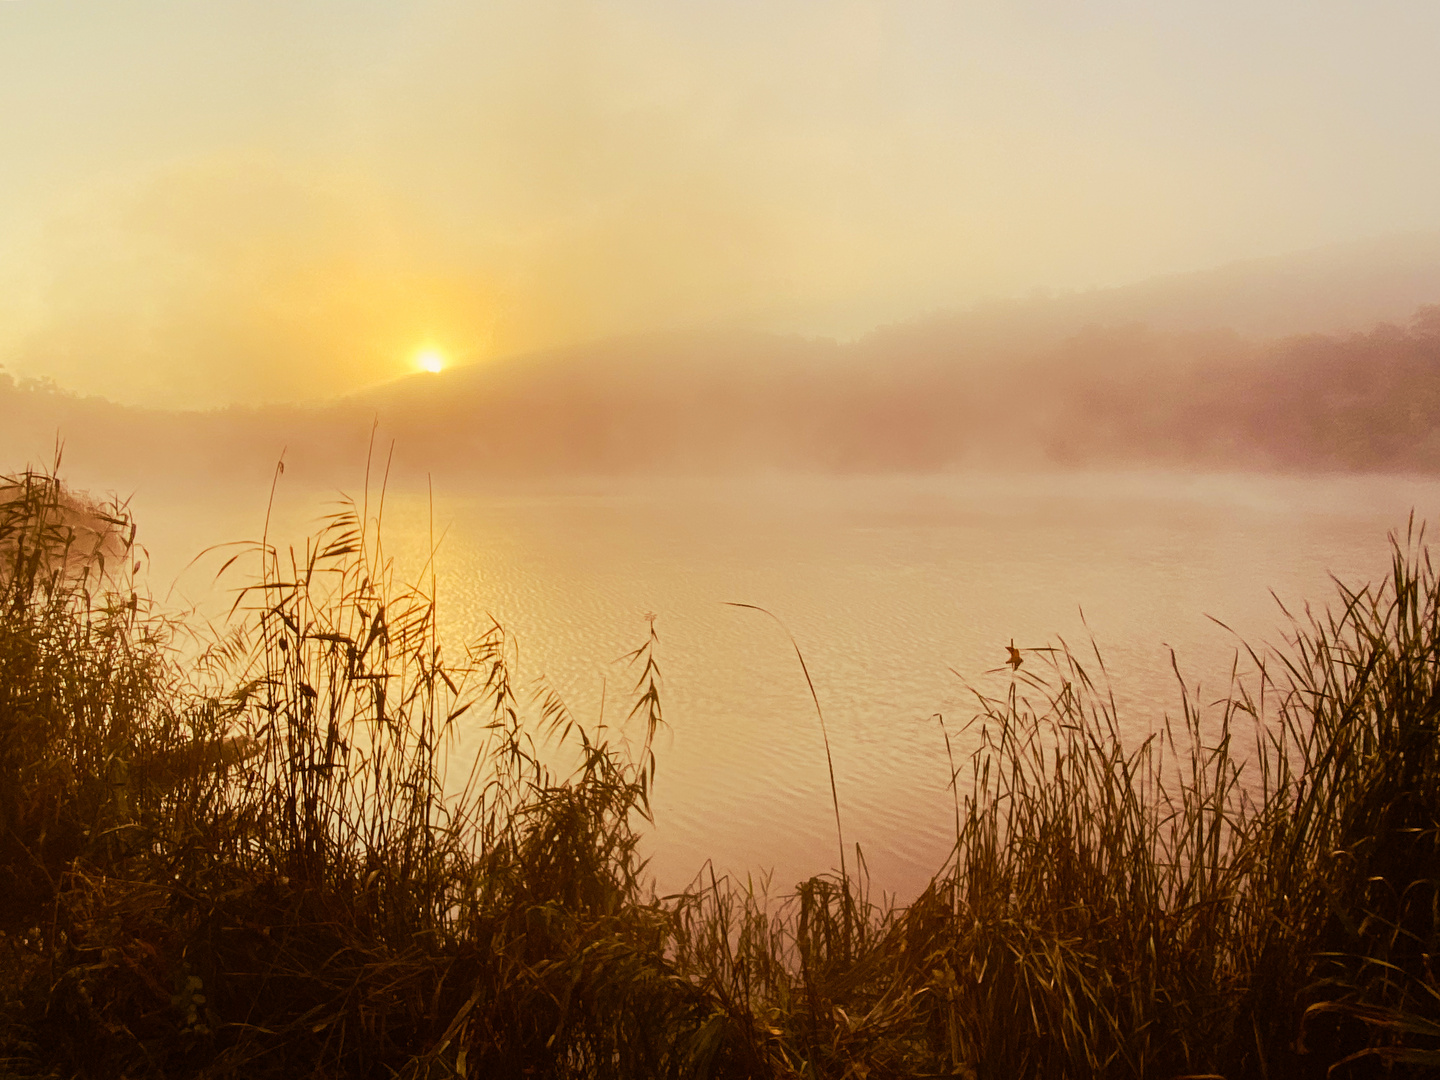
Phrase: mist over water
(887, 584)
(487, 380)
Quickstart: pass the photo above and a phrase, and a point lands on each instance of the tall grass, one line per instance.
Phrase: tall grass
(298, 890)
(333, 847)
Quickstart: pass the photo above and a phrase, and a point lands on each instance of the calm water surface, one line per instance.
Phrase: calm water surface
(898, 592)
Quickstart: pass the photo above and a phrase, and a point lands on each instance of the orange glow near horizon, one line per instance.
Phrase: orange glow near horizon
(192, 216)
(430, 360)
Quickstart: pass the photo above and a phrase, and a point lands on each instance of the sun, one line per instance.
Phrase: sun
(431, 360)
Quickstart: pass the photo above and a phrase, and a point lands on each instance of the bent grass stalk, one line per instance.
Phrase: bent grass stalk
(824, 733)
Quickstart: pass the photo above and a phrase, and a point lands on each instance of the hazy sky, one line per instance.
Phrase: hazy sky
(204, 202)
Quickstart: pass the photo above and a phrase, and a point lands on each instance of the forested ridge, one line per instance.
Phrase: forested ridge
(1107, 396)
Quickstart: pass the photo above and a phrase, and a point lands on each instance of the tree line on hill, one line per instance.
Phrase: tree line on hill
(1107, 396)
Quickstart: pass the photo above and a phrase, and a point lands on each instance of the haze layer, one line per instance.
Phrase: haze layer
(262, 201)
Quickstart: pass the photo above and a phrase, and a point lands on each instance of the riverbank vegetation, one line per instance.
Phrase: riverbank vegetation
(329, 843)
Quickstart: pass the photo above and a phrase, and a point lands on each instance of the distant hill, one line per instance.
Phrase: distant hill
(1327, 360)
(1338, 288)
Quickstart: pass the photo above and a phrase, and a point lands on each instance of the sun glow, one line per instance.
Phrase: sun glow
(431, 360)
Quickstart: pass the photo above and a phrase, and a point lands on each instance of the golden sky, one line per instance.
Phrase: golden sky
(203, 203)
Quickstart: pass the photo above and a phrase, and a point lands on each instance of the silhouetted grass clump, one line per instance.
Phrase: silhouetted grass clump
(332, 847)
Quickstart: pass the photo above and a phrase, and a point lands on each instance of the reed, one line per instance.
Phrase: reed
(332, 846)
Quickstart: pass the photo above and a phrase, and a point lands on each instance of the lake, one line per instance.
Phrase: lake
(898, 592)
